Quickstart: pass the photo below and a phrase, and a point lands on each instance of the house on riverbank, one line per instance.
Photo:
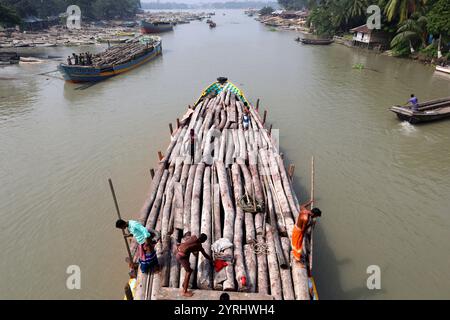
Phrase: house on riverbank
(370, 38)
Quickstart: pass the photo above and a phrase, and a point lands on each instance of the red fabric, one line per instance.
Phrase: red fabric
(219, 265)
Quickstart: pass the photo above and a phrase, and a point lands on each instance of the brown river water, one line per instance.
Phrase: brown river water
(383, 185)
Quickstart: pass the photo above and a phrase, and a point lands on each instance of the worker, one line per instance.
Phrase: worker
(306, 219)
(246, 117)
(149, 263)
(414, 103)
(69, 61)
(140, 233)
(183, 252)
(75, 58)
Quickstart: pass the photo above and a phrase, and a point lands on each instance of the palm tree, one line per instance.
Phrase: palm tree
(411, 30)
(402, 8)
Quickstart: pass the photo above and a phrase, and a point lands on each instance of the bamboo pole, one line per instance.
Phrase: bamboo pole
(118, 214)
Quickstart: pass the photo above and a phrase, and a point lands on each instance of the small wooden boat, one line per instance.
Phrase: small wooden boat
(317, 41)
(115, 60)
(445, 69)
(231, 184)
(7, 58)
(428, 111)
(155, 27)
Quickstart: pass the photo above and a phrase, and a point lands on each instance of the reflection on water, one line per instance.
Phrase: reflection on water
(381, 184)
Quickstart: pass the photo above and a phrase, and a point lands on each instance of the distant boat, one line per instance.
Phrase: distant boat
(212, 24)
(316, 41)
(445, 69)
(115, 60)
(155, 26)
(427, 111)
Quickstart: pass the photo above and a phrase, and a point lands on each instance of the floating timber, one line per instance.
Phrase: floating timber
(231, 184)
(427, 111)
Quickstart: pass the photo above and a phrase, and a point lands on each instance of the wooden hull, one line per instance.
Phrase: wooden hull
(316, 41)
(150, 28)
(428, 111)
(443, 69)
(78, 74)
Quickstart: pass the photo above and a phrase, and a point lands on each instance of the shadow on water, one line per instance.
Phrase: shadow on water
(327, 270)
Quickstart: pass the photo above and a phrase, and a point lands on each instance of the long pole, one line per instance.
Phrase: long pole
(312, 227)
(118, 214)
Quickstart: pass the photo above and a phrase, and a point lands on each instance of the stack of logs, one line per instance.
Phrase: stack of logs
(121, 53)
(202, 196)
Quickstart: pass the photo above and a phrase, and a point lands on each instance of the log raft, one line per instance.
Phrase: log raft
(231, 184)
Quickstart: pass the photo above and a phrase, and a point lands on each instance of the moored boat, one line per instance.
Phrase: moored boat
(155, 27)
(212, 24)
(428, 111)
(445, 69)
(230, 183)
(115, 60)
(316, 41)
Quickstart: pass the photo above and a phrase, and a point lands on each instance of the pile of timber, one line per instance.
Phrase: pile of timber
(122, 53)
(204, 196)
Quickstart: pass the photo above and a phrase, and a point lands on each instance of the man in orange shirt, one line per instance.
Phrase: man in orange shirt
(305, 219)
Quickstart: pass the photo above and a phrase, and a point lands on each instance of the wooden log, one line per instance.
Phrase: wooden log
(151, 195)
(273, 267)
(156, 285)
(174, 279)
(195, 213)
(178, 206)
(225, 193)
(264, 117)
(217, 221)
(286, 276)
(154, 212)
(171, 129)
(165, 260)
(239, 266)
(263, 274)
(287, 187)
(250, 233)
(277, 242)
(188, 199)
(251, 267)
(205, 271)
(229, 217)
(258, 191)
(230, 147)
(300, 280)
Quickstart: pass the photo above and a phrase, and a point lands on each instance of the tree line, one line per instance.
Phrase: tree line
(414, 25)
(13, 11)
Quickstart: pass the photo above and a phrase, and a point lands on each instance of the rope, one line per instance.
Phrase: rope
(260, 248)
(248, 204)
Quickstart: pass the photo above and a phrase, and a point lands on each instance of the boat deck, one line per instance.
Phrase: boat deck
(232, 185)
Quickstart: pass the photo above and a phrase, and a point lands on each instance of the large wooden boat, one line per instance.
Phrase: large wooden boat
(428, 111)
(115, 60)
(155, 27)
(231, 184)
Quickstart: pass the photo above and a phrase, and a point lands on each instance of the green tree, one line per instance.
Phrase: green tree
(412, 31)
(265, 11)
(402, 9)
(439, 18)
(8, 16)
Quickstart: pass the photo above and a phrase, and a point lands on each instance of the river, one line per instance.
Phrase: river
(383, 185)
